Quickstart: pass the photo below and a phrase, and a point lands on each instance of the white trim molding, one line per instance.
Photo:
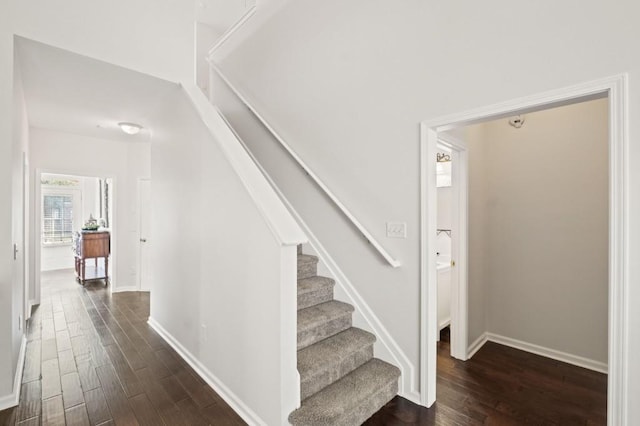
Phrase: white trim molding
(476, 345)
(583, 362)
(235, 27)
(124, 289)
(282, 225)
(229, 397)
(616, 89)
(13, 398)
(345, 211)
(568, 358)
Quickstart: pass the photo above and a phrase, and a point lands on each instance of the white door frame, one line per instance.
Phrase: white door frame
(615, 88)
(37, 226)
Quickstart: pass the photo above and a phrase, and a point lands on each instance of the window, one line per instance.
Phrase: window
(57, 218)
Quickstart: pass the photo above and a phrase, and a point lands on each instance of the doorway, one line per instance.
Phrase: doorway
(451, 192)
(63, 204)
(613, 88)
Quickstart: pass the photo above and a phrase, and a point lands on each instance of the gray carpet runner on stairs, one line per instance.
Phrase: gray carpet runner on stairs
(340, 381)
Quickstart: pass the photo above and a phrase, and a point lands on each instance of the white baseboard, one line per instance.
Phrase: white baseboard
(476, 345)
(13, 398)
(550, 353)
(123, 289)
(225, 393)
(444, 324)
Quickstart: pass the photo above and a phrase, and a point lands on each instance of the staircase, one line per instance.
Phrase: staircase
(340, 381)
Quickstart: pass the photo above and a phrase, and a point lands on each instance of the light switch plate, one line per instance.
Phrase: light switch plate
(396, 230)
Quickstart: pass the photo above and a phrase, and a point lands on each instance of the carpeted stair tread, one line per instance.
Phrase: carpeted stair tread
(307, 265)
(314, 290)
(325, 362)
(321, 321)
(352, 399)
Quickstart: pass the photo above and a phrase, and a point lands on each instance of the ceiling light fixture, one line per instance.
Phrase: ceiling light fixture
(130, 128)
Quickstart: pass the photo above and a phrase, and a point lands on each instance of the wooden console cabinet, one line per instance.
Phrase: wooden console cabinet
(91, 245)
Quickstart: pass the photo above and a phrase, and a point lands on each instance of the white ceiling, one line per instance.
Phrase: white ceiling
(73, 93)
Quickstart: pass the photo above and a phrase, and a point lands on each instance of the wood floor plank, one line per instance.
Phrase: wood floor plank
(192, 413)
(153, 363)
(50, 379)
(67, 362)
(34, 421)
(174, 389)
(32, 361)
(99, 356)
(144, 411)
(88, 377)
(126, 375)
(77, 416)
(30, 401)
(48, 329)
(53, 411)
(71, 390)
(169, 360)
(96, 406)
(174, 417)
(115, 396)
(75, 329)
(49, 349)
(194, 388)
(217, 415)
(155, 391)
(59, 321)
(79, 345)
(63, 341)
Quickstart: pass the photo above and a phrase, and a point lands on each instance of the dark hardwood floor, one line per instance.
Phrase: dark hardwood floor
(91, 359)
(504, 386)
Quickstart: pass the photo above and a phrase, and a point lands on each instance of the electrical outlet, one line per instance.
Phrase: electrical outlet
(396, 230)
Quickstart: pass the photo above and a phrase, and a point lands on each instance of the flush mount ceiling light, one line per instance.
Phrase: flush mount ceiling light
(130, 128)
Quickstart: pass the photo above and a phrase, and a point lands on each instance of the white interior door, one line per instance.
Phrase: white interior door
(144, 208)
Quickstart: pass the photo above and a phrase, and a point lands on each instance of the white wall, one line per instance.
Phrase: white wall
(148, 32)
(219, 273)
(65, 153)
(546, 210)
(347, 85)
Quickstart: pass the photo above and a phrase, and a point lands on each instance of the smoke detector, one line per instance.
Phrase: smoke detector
(517, 121)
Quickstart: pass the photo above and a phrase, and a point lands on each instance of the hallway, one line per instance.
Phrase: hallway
(91, 359)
